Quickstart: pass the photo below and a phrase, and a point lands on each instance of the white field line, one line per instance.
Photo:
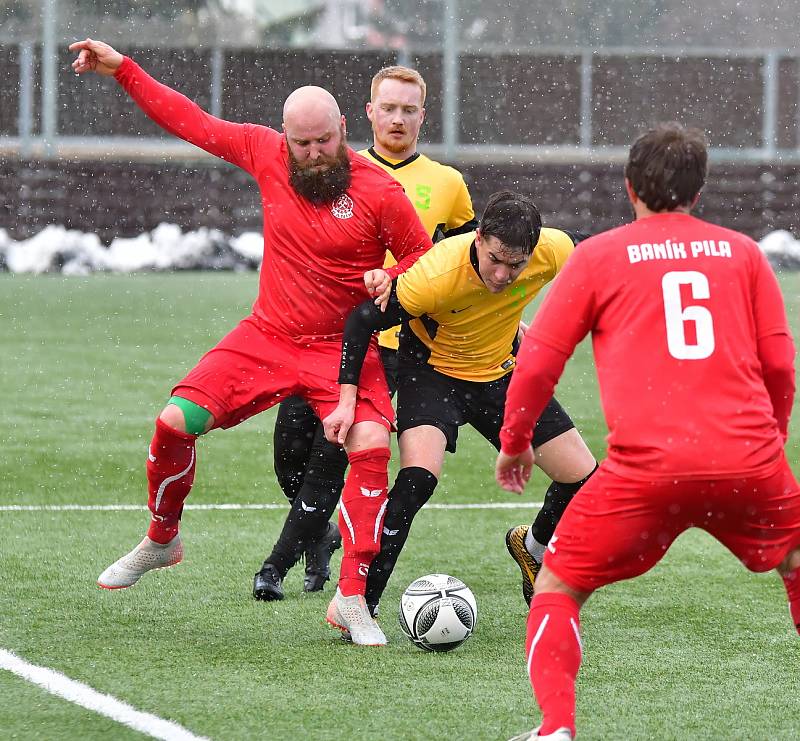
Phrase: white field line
(142, 508)
(83, 695)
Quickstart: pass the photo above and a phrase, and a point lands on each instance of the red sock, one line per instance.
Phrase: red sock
(792, 582)
(170, 473)
(553, 651)
(361, 513)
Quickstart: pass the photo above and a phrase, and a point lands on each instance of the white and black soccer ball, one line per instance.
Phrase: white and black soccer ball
(438, 612)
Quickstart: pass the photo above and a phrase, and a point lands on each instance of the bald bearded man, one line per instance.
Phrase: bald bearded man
(329, 218)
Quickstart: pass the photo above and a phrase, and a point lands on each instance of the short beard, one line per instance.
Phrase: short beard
(323, 186)
(395, 147)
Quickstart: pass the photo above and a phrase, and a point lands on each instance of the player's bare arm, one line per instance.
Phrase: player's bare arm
(95, 56)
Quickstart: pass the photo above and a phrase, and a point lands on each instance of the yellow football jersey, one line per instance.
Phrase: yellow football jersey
(466, 331)
(439, 195)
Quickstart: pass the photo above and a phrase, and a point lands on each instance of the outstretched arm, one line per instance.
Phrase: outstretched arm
(172, 111)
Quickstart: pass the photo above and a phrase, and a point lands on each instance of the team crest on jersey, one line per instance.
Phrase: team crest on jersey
(342, 207)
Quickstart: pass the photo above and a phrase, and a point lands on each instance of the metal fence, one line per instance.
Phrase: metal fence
(567, 105)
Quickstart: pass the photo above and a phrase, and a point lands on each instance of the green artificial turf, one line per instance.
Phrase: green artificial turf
(698, 648)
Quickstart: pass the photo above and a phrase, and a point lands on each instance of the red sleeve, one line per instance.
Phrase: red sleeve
(539, 367)
(774, 341)
(776, 353)
(568, 310)
(768, 307)
(234, 142)
(563, 320)
(401, 230)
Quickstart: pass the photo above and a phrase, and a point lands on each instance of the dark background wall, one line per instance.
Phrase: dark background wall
(506, 99)
(113, 199)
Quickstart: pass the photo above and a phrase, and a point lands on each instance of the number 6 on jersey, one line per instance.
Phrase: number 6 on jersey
(676, 316)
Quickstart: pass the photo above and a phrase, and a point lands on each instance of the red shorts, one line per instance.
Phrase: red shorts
(252, 369)
(616, 528)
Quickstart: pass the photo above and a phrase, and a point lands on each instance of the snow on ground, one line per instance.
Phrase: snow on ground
(782, 249)
(56, 249)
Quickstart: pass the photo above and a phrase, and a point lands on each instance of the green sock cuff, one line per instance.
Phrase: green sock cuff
(194, 416)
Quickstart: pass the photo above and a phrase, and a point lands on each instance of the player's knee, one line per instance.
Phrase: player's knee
(366, 435)
(566, 458)
(328, 463)
(547, 582)
(186, 416)
(173, 416)
(289, 483)
(290, 463)
(320, 492)
(328, 482)
(790, 563)
(413, 487)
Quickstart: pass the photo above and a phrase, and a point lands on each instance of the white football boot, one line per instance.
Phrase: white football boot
(147, 555)
(560, 734)
(351, 615)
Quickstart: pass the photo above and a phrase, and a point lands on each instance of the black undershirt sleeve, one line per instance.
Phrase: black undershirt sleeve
(467, 226)
(576, 236)
(361, 324)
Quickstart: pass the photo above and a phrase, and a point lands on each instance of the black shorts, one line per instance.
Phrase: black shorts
(427, 397)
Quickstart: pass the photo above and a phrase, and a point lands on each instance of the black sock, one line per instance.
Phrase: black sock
(556, 499)
(295, 428)
(412, 488)
(313, 506)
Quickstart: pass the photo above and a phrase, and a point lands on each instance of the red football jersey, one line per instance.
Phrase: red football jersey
(676, 307)
(315, 256)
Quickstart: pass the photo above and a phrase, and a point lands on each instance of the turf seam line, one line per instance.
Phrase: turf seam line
(208, 507)
(83, 695)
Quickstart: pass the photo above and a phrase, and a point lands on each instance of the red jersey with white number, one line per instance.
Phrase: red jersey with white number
(315, 256)
(675, 306)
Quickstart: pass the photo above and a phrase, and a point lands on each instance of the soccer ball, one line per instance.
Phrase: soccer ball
(438, 612)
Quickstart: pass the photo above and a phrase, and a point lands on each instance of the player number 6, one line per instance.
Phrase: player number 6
(677, 315)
